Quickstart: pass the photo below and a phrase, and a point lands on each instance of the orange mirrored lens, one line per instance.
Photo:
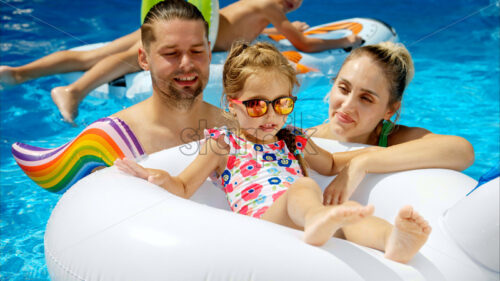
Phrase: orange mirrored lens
(256, 108)
(283, 106)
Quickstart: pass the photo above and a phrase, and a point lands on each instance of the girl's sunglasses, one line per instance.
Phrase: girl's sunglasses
(258, 107)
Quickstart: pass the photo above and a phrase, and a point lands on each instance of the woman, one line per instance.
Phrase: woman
(366, 94)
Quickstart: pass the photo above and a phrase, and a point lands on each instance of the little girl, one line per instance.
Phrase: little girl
(262, 167)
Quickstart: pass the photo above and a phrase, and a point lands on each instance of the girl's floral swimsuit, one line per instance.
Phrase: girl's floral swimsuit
(256, 175)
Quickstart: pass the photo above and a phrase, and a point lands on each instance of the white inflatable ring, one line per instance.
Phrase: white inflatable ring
(112, 226)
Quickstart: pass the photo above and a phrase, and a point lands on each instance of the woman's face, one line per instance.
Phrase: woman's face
(359, 100)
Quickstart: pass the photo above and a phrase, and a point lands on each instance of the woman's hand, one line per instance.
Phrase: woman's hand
(344, 185)
(158, 177)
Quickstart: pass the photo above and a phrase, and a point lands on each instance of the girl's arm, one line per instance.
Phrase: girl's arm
(188, 181)
(319, 159)
(303, 43)
(410, 148)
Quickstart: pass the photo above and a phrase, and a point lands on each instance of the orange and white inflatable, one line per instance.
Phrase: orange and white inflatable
(328, 62)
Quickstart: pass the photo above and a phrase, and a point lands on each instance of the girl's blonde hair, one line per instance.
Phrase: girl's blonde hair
(243, 61)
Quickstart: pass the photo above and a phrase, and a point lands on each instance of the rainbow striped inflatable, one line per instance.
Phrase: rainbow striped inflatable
(98, 145)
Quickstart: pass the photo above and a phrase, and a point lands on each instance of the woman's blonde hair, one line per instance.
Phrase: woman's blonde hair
(243, 61)
(396, 62)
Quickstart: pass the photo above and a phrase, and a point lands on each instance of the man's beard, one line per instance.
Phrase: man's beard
(183, 98)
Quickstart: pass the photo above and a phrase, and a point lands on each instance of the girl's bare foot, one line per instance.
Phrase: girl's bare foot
(409, 234)
(322, 223)
(7, 77)
(66, 101)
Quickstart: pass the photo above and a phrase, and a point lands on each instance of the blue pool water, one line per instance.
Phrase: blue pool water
(455, 45)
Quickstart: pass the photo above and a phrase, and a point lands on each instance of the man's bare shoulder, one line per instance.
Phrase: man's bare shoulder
(216, 117)
(148, 136)
(244, 20)
(250, 6)
(130, 114)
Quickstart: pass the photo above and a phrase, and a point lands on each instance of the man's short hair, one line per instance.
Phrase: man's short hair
(168, 10)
